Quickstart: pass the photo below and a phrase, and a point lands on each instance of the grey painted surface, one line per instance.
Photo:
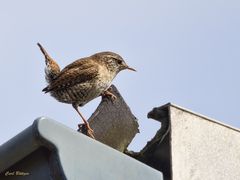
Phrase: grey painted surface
(34, 166)
(202, 148)
(198, 147)
(72, 155)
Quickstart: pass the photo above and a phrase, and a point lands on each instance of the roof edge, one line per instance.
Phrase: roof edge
(199, 115)
(19, 147)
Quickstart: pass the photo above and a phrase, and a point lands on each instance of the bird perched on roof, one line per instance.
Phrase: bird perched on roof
(83, 80)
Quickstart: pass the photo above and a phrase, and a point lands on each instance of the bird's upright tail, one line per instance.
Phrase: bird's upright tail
(52, 69)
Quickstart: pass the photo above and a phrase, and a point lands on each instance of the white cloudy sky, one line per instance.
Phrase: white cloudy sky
(186, 52)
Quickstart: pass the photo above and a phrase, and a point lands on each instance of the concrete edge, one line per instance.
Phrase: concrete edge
(199, 115)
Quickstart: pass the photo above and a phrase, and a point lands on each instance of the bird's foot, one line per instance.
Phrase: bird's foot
(108, 94)
(86, 129)
(90, 133)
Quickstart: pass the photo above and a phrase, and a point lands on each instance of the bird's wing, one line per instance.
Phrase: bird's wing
(82, 63)
(77, 72)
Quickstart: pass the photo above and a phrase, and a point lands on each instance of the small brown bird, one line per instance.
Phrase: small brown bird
(83, 80)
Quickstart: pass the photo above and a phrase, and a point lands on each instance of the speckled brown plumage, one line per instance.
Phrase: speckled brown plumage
(83, 80)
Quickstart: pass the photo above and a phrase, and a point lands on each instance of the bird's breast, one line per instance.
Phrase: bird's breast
(105, 78)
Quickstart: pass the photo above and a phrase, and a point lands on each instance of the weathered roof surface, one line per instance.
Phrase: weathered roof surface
(50, 150)
(192, 146)
(188, 146)
(202, 148)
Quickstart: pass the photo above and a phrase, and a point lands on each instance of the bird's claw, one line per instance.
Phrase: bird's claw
(86, 129)
(112, 97)
(108, 94)
(90, 133)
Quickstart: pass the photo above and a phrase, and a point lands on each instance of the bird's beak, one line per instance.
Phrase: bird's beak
(131, 69)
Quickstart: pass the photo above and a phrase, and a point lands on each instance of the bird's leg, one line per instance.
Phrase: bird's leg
(107, 93)
(89, 129)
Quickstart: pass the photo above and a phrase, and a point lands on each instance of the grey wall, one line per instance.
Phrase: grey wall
(202, 148)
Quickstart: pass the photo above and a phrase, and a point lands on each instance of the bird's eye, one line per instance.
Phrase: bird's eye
(119, 61)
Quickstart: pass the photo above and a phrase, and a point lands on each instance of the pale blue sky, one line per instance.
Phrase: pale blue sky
(186, 52)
